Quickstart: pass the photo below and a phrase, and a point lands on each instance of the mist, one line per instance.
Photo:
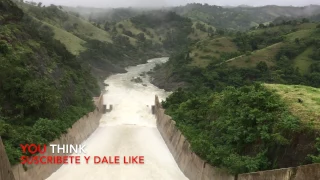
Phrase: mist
(167, 3)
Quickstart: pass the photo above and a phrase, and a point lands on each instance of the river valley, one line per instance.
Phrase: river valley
(128, 130)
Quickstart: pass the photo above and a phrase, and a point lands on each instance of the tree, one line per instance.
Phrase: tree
(262, 66)
(128, 33)
(39, 4)
(201, 26)
(141, 37)
(4, 47)
(220, 32)
(107, 26)
(210, 31)
(261, 26)
(90, 17)
(75, 25)
(305, 20)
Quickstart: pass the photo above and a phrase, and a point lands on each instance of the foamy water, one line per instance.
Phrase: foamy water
(128, 130)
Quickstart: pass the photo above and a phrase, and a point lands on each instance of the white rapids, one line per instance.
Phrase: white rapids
(128, 130)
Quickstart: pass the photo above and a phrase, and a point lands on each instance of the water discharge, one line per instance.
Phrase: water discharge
(128, 130)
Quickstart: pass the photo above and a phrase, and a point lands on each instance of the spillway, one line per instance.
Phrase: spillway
(128, 130)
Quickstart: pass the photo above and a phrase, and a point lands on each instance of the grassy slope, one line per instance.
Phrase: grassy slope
(198, 34)
(72, 42)
(266, 54)
(299, 34)
(207, 48)
(75, 38)
(128, 25)
(87, 29)
(271, 29)
(203, 50)
(303, 61)
(309, 110)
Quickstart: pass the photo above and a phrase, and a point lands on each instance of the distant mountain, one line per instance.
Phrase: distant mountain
(244, 5)
(240, 17)
(243, 16)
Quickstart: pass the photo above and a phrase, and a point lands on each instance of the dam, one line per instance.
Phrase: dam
(128, 130)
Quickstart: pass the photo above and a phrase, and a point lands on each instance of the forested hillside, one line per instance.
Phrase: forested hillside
(43, 88)
(229, 111)
(281, 53)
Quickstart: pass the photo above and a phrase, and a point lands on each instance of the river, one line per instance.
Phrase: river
(128, 130)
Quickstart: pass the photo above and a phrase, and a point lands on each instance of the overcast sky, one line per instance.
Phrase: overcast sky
(144, 3)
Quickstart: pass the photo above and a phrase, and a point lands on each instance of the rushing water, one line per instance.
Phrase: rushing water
(128, 130)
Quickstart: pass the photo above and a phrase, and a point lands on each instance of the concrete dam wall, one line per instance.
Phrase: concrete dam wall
(79, 132)
(307, 172)
(196, 169)
(190, 164)
(5, 167)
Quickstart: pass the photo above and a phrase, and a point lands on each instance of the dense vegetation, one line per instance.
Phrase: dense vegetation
(43, 88)
(242, 129)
